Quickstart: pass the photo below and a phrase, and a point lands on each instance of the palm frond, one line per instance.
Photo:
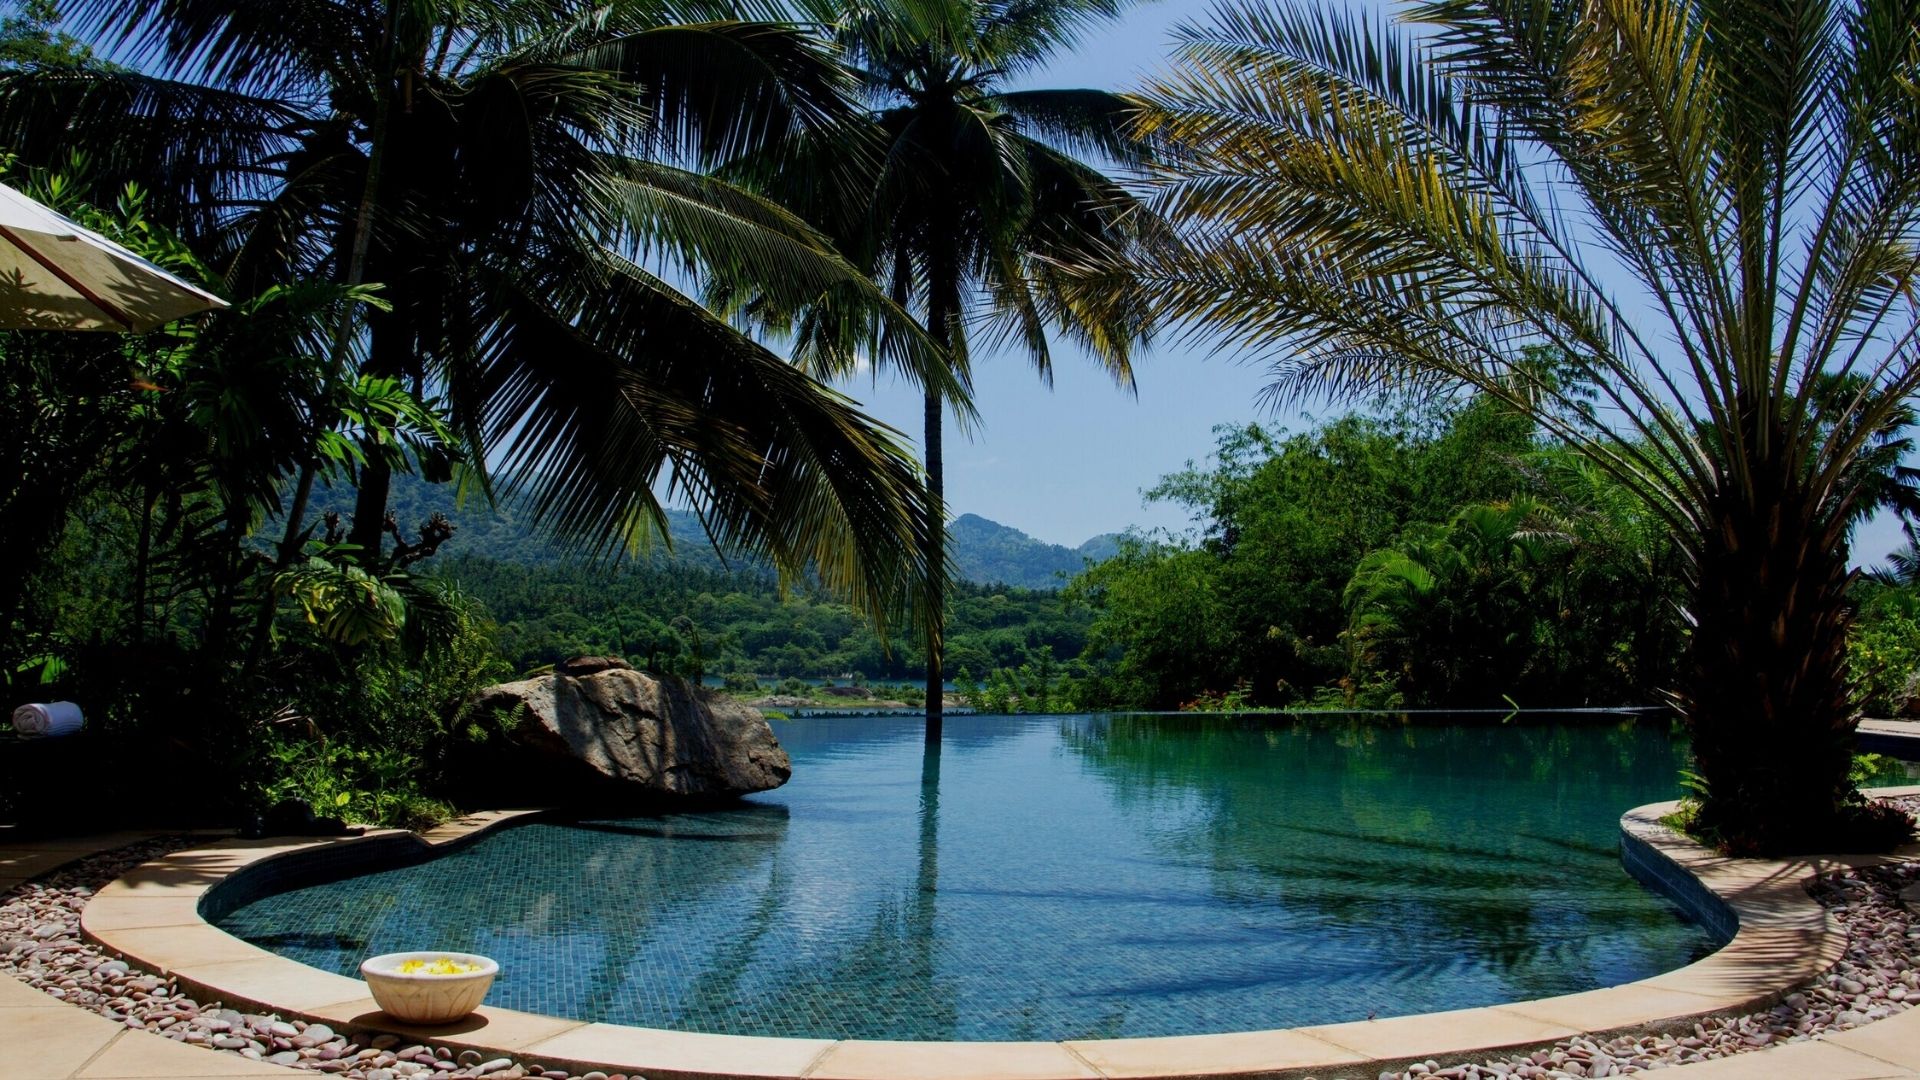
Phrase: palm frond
(1097, 124)
(607, 391)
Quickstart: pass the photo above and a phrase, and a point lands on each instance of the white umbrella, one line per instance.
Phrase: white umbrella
(57, 275)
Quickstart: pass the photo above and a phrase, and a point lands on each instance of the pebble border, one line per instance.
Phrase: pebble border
(40, 941)
(41, 945)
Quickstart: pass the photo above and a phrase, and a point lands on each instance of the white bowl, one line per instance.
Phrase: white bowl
(420, 998)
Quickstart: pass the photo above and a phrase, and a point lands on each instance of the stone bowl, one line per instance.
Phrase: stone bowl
(420, 998)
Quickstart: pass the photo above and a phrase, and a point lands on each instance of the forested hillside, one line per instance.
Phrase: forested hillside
(684, 608)
(991, 553)
(677, 617)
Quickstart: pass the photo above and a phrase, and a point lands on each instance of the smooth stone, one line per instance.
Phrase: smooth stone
(623, 733)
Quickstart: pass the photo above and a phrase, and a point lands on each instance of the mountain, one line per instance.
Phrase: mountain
(991, 553)
(985, 552)
(1100, 548)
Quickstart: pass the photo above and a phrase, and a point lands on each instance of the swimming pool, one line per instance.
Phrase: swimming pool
(1061, 877)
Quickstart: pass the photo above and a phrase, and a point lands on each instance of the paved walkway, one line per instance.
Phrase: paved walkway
(42, 1038)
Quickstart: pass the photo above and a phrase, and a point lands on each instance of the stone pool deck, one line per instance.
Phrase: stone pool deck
(154, 917)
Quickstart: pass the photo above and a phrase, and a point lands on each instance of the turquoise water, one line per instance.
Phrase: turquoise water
(1060, 877)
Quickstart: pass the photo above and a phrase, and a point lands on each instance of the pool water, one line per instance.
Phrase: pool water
(1053, 877)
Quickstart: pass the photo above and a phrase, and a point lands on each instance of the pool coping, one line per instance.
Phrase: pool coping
(1781, 938)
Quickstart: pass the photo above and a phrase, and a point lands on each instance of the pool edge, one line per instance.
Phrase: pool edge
(1779, 938)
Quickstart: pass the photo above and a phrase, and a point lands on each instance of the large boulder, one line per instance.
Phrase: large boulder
(618, 733)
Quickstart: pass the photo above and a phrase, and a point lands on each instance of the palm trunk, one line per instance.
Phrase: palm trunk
(935, 554)
(370, 508)
(1765, 689)
(353, 275)
(943, 306)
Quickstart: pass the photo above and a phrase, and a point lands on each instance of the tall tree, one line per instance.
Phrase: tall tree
(514, 174)
(978, 193)
(31, 37)
(1711, 207)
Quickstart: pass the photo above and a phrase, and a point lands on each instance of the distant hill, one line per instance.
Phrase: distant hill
(986, 552)
(991, 553)
(1100, 548)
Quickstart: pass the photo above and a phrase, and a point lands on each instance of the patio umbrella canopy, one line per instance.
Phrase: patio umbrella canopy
(57, 275)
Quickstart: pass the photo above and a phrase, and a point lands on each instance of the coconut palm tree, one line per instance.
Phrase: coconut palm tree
(1712, 207)
(525, 180)
(976, 196)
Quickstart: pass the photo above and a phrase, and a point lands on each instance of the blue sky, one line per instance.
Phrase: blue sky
(1070, 463)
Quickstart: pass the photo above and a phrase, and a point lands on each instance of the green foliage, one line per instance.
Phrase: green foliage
(1883, 651)
(655, 611)
(1450, 610)
(1442, 553)
(377, 785)
(373, 717)
(136, 472)
(1037, 685)
(1238, 699)
(30, 36)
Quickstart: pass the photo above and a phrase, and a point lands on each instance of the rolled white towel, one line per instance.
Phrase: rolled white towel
(52, 718)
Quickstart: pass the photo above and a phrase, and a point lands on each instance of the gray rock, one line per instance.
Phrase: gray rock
(591, 665)
(620, 732)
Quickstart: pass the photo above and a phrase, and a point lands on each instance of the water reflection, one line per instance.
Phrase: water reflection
(1055, 877)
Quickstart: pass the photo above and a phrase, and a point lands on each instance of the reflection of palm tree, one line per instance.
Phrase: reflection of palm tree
(928, 879)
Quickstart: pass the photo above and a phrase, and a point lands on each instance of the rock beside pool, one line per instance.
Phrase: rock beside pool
(591, 665)
(617, 732)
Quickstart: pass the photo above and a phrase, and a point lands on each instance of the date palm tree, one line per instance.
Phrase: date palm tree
(976, 196)
(526, 181)
(1711, 207)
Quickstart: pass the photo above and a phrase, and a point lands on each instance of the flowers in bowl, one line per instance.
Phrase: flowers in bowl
(428, 987)
(445, 965)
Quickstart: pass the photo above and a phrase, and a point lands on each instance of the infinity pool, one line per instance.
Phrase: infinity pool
(1060, 877)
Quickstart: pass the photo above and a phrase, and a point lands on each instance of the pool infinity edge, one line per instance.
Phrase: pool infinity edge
(1780, 937)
